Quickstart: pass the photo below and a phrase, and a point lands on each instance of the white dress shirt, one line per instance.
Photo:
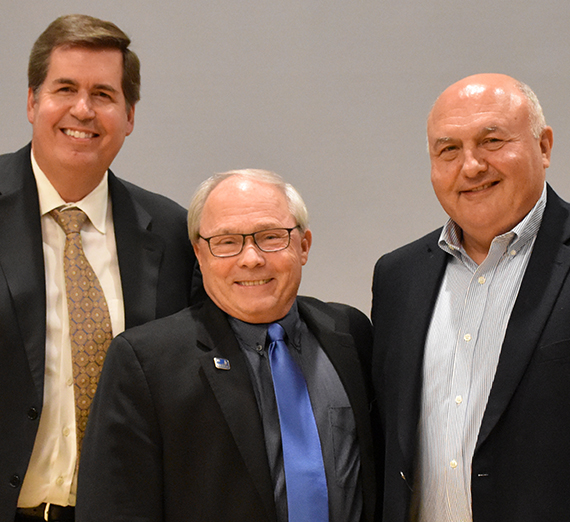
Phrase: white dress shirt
(51, 476)
(462, 351)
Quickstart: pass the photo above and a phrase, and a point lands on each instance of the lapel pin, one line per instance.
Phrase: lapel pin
(221, 363)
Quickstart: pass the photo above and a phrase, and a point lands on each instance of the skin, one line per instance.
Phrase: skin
(82, 95)
(254, 286)
(487, 168)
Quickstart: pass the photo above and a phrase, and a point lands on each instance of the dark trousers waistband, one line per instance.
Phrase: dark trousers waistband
(44, 512)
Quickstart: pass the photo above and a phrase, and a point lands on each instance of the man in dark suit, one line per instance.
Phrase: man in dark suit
(83, 86)
(188, 423)
(471, 352)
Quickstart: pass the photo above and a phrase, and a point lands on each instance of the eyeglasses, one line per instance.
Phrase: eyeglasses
(270, 240)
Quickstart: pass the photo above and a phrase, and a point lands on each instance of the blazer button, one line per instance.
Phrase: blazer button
(15, 481)
(32, 414)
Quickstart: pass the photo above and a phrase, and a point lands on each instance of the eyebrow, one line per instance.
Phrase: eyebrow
(447, 139)
(442, 141)
(98, 86)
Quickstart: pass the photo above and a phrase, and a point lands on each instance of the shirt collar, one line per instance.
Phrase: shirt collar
(251, 336)
(94, 204)
(526, 230)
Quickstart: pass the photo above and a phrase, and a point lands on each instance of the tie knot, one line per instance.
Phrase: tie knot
(71, 219)
(276, 332)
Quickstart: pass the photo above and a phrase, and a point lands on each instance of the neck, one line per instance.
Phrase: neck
(73, 186)
(71, 182)
(476, 250)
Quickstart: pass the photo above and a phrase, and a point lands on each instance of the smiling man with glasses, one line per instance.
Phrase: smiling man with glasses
(253, 405)
(229, 245)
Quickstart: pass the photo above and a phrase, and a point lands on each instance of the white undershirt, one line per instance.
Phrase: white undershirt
(51, 473)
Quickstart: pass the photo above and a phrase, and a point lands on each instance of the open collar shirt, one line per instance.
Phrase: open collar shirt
(462, 351)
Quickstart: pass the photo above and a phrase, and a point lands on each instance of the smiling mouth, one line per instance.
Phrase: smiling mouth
(79, 134)
(253, 283)
(482, 187)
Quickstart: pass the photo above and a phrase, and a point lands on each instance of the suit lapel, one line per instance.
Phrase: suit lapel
(139, 251)
(421, 297)
(341, 350)
(234, 392)
(21, 258)
(548, 267)
(342, 353)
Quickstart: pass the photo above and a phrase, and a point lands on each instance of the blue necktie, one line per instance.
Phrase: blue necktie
(307, 496)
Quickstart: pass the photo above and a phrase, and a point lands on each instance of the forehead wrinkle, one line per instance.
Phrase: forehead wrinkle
(479, 97)
(237, 201)
(257, 228)
(220, 221)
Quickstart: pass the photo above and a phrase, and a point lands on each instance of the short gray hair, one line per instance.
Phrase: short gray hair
(536, 116)
(295, 202)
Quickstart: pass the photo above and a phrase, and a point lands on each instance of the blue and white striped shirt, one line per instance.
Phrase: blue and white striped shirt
(461, 356)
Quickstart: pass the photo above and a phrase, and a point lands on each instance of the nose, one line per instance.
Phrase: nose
(251, 256)
(82, 108)
(473, 162)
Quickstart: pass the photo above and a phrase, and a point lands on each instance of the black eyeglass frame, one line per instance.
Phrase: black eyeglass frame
(252, 234)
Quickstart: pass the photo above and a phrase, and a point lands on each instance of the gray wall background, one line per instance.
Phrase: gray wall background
(331, 94)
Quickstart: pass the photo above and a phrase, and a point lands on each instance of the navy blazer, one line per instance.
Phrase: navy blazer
(156, 263)
(521, 465)
(172, 438)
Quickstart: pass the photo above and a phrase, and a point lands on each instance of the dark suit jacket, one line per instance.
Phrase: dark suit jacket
(172, 438)
(156, 263)
(521, 465)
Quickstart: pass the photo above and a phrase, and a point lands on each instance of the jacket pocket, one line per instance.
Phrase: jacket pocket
(346, 451)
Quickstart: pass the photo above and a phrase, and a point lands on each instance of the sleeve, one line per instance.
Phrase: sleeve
(120, 473)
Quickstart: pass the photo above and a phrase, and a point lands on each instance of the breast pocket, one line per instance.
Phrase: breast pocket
(551, 376)
(559, 351)
(346, 453)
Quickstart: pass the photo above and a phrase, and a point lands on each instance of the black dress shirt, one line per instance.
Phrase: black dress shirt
(333, 414)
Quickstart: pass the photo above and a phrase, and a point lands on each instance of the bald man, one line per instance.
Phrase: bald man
(472, 324)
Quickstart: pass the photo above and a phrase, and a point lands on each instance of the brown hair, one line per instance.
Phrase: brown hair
(84, 31)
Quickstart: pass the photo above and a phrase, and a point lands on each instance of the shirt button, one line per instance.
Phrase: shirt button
(513, 252)
(259, 348)
(458, 399)
(69, 381)
(59, 481)
(66, 431)
(467, 337)
(481, 280)
(453, 464)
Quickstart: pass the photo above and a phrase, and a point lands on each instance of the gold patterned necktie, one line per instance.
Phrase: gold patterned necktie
(89, 320)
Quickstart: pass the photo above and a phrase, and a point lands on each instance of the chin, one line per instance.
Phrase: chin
(264, 315)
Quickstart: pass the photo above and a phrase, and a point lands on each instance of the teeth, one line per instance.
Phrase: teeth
(78, 134)
(254, 283)
(477, 189)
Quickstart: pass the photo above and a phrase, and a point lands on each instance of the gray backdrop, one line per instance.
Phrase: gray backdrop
(331, 94)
